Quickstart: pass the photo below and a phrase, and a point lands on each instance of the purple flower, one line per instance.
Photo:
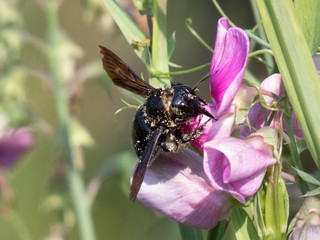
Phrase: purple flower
(237, 166)
(273, 90)
(13, 146)
(176, 185)
(227, 66)
(307, 220)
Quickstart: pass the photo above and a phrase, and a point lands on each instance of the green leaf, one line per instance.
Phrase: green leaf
(308, 15)
(308, 177)
(171, 44)
(190, 233)
(217, 232)
(296, 66)
(243, 225)
(301, 143)
(174, 65)
(313, 192)
(128, 28)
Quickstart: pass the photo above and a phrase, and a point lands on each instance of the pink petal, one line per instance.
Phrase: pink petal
(194, 124)
(273, 84)
(257, 116)
(214, 129)
(228, 65)
(237, 166)
(13, 146)
(316, 60)
(176, 186)
(223, 26)
(295, 126)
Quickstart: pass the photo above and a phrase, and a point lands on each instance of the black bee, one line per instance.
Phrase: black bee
(157, 122)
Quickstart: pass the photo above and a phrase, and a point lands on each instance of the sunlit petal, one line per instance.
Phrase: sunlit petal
(176, 186)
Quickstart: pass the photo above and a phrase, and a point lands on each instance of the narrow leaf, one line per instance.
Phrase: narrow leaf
(243, 225)
(313, 192)
(190, 233)
(308, 14)
(171, 44)
(308, 177)
(128, 28)
(296, 66)
(217, 232)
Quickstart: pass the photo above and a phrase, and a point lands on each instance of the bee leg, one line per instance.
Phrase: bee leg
(186, 138)
(170, 144)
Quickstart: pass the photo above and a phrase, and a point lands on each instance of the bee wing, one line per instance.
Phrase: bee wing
(122, 75)
(141, 169)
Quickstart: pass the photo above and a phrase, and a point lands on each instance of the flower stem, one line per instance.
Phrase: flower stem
(277, 202)
(183, 71)
(262, 34)
(75, 180)
(261, 51)
(160, 60)
(296, 161)
(197, 36)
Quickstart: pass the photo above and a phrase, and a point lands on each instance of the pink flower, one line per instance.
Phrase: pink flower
(227, 66)
(273, 86)
(13, 146)
(237, 166)
(176, 185)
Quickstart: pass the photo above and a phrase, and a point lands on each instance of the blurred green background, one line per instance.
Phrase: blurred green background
(42, 207)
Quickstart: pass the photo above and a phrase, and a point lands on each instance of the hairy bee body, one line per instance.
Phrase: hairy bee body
(157, 123)
(169, 106)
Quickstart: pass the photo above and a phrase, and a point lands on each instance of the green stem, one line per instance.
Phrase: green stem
(276, 208)
(197, 36)
(261, 51)
(257, 39)
(272, 218)
(160, 60)
(296, 161)
(183, 71)
(262, 34)
(75, 180)
(223, 14)
(249, 33)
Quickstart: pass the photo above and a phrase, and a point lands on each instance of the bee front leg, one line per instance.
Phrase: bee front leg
(173, 144)
(186, 138)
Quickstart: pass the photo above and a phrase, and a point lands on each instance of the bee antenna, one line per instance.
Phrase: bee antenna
(203, 79)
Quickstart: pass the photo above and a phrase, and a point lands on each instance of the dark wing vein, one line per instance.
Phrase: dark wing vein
(122, 75)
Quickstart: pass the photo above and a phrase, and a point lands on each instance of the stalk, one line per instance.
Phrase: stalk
(76, 183)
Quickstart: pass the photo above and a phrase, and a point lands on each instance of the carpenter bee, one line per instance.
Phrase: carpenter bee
(157, 123)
